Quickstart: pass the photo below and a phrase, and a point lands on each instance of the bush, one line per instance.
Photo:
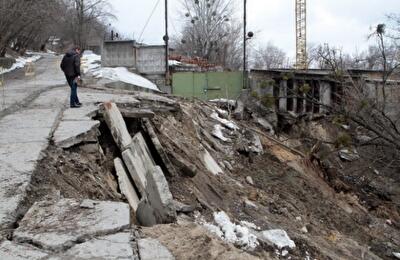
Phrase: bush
(254, 94)
(268, 101)
(343, 140)
(305, 88)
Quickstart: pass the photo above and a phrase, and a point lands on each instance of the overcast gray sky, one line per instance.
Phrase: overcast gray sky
(342, 23)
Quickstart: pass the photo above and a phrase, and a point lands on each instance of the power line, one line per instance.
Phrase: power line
(148, 20)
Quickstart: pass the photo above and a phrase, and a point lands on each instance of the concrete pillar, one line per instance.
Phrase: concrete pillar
(325, 95)
(295, 93)
(283, 96)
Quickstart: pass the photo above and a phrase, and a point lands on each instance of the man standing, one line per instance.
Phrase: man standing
(70, 65)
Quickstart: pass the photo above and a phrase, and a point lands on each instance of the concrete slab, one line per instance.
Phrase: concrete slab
(150, 249)
(59, 225)
(159, 197)
(97, 97)
(136, 169)
(86, 112)
(116, 246)
(127, 189)
(117, 125)
(12, 251)
(70, 133)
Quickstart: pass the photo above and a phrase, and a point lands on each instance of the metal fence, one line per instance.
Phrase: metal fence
(207, 85)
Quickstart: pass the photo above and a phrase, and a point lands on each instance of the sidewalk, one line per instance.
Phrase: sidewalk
(31, 112)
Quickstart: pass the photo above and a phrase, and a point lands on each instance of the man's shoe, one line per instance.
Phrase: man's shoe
(79, 104)
(75, 106)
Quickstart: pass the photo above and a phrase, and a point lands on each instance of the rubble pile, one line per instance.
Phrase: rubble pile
(162, 176)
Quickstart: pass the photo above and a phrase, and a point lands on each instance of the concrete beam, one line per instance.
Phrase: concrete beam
(125, 184)
(117, 126)
(160, 150)
(137, 113)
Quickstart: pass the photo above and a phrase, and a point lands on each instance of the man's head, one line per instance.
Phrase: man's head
(77, 50)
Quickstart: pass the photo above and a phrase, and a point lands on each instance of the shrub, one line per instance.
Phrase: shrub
(268, 101)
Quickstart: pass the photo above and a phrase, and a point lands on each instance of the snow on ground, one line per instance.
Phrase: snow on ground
(229, 124)
(217, 132)
(20, 62)
(93, 65)
(279, 238)
(232, 233)
(211, 164)
(231, 102)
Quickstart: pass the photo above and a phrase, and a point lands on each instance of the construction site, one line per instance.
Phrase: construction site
(172, 153)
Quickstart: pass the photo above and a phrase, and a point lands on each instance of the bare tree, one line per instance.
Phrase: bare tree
(210, 32)
(270, 57)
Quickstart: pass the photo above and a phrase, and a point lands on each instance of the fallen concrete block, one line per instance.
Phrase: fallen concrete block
(160, 150)
(150, 249)
(12, 251)
(125, 184)
(70, 133)
(137, 113)
(136, 169)
(117, 126)
(145, 214)
(60, 225)
(159, 197)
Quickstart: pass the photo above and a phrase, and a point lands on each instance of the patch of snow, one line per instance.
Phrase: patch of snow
(229, 124)
(92, 61)
(232, 233)
(93, 64)
(285, 253)
(348, 155)
(214, 229)
(249, 225)
(211, 164)
(217, 132)
(122, 74)
(174, 62)
(222, 112)
(279, 238)
(20, 62)
(397, 255)
(230, 102)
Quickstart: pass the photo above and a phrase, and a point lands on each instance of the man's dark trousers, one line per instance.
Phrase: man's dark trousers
(74, 100)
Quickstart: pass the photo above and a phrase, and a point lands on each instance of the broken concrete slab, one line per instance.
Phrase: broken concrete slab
(150, 249)
(97, 97)
(117, 125)
(127, 189)
(111, 247)
(211, 164)
(266, 125)
(86, 112)
(13, 251)
(145, 214)
(70, 133)
(137, 113)
(160, 149)
(136, 169)
(160, 197)
(59, 225)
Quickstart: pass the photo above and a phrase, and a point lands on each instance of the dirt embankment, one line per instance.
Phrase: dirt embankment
(273, 188)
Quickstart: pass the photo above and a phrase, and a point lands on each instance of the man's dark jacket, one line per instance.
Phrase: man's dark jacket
(71, 64)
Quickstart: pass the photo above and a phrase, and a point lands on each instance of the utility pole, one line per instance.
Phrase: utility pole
(166, 39)
(244, 43)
